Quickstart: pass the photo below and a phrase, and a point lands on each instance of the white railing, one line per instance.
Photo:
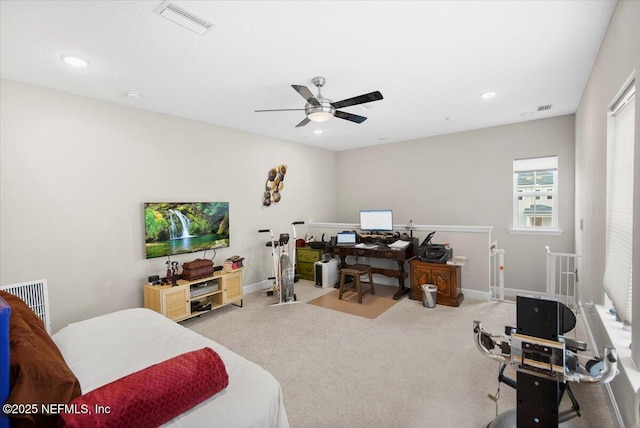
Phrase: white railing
(36, 295)
(562, 278)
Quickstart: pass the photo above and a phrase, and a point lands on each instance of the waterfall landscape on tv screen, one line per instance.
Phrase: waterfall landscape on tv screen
(185, 227)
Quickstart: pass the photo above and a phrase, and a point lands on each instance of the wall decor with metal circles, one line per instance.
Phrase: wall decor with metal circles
(274, 185)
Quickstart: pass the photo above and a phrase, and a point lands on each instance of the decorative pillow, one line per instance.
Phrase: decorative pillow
(151, 396)
(38, 373)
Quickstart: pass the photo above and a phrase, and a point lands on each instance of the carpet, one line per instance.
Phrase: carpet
(412, 367)
(372, 305)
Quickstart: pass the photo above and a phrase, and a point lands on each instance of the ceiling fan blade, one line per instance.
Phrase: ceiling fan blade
(306, 94)
(366, 98)
(281, 109)
(303, 123)
(348, 116)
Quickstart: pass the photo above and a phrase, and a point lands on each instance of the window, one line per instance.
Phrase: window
(619, 224)
(535, 193)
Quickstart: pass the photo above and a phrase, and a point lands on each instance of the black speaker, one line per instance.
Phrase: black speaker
(153, 278)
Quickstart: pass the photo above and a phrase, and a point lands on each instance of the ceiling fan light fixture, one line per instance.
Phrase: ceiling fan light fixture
(320, 116)
(321, 109)
(320, 113)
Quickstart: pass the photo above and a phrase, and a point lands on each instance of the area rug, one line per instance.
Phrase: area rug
(372, 305)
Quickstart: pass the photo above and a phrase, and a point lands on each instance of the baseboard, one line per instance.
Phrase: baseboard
(258, 286)
(476, 294)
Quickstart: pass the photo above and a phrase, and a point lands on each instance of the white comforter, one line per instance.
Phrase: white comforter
(106, 348)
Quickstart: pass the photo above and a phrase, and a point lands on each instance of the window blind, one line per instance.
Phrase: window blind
(619, 223)
(535, 164)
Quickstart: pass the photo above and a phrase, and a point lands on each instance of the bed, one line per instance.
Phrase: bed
(103, 351)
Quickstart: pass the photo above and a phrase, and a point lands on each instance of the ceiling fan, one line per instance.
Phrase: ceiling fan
(321, 109)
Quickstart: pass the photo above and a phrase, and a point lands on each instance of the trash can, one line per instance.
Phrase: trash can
(429, 295)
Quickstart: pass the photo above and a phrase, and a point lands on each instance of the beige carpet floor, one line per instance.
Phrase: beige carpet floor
(410, 367)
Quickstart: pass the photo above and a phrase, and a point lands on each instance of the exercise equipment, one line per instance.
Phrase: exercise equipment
(545, 362)
(283, 267)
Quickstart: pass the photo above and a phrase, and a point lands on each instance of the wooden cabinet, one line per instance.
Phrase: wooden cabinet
(174, 303)
(306, 257)
(231, 287)
(192, 298)
(445, 277)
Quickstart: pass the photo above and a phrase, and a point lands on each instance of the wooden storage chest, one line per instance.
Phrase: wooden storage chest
(445, 277)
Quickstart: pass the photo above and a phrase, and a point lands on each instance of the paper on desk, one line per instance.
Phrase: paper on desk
(399, 244)
(366, 246)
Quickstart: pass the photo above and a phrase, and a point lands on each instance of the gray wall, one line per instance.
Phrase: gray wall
(465, 179)
(619, 55)
(618, 60)
(75, 173)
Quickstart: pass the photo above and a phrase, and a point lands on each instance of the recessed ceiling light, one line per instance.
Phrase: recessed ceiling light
(488, 94)
(318, 131)
(526, 114)
(132, 95)
(75, 61)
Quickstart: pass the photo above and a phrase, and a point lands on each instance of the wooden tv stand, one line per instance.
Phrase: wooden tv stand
(174, 302)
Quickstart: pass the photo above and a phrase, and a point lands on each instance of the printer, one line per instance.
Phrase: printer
(434, 253)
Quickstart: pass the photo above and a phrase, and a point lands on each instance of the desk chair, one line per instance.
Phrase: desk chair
(356, 271)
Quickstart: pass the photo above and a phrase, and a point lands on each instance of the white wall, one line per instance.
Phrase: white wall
(465, 179)
(617, 60)
(75, 173)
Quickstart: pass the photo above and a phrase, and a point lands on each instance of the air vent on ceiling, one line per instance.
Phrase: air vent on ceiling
(543, 108)
(180, 16)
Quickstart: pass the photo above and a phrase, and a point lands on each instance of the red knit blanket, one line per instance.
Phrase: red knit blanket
(152, 396)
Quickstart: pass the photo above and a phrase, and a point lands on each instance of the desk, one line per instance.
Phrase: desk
(382, 252)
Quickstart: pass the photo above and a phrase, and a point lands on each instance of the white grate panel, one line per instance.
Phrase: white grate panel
(36, 295)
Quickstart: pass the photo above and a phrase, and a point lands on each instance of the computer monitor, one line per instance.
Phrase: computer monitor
(376, 220)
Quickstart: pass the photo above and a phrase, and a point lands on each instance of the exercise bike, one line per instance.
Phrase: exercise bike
(283, 267)
(545, 362)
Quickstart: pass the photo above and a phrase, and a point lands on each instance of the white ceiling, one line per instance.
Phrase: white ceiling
(430, 60)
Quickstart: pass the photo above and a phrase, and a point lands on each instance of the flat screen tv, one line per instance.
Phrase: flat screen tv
(376, 220)
(185, 227)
